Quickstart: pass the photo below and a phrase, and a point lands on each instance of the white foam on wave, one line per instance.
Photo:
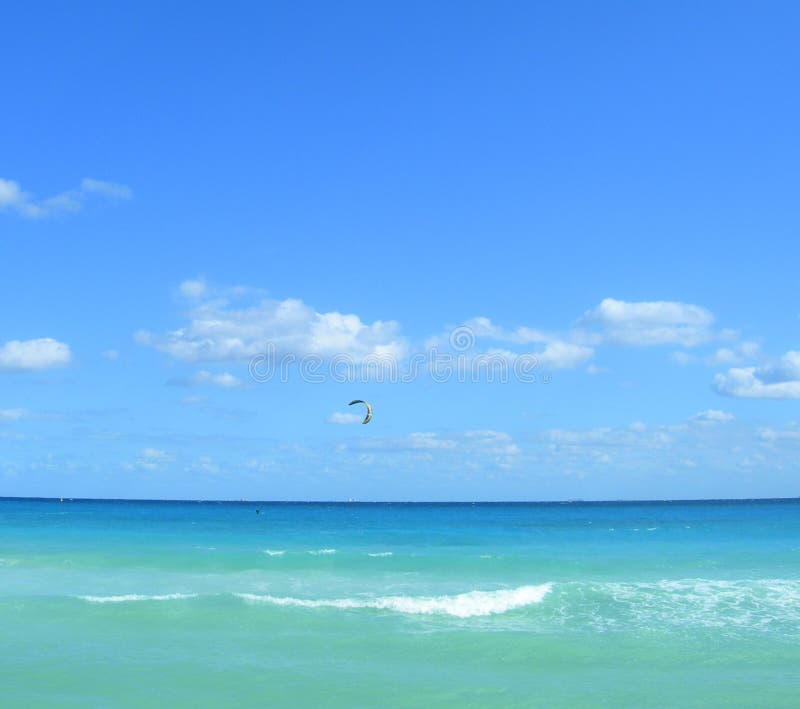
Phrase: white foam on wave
(131, 597)
(711, 603)
(274, 552)
(462, 605)
(317, 552)
(380, 553)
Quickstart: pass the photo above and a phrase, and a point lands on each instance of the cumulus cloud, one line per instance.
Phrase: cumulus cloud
(218, 332)
(779, 380)
(32, 355)
(237, 324)
(650, 323)
(613, 321)
(14, 199)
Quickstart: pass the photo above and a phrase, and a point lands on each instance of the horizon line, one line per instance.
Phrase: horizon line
(244, 501)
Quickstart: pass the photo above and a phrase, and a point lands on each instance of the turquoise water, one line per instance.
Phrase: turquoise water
(131, 604)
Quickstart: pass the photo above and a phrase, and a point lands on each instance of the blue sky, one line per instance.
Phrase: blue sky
(608, 187)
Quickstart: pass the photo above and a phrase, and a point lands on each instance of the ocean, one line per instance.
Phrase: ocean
(211, 604)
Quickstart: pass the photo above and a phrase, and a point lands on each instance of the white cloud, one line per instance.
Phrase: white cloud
(428, 441)
(13, 198)
(724, 355)
(563, 355)
(789, 433)
(111, 190)
(206, 378)
(204, 464)
(612, 321)
(682, 357)
(111, 354)
(30, 355)
(712, 416)
(483, 327)
(154, 454)
(493, 442)
(217, 332)
(551, 351)
(650, 323)
(709, 440)
(341, 418)
(633, 436)
(194, 400)
(470, 447)
(194, 289)
(12, 414)
(152, 459)
(780, 380)
(733, 355)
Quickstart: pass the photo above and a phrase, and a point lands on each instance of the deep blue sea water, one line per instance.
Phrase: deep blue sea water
(131, 604)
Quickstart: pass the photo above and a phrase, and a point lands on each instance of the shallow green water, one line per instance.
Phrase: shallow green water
(185, 604)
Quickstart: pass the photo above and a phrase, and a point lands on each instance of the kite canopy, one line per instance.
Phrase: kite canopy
(368, 417)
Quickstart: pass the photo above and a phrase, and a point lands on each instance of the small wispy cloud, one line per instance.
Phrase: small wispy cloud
(14, 199)
(151, 459)
(193, 288)
(226, 380)
(342, 418)
(194, 400)
(712, 416)
(12, 414)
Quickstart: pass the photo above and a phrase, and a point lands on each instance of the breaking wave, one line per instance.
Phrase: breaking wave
(462, 605)
(130, 597)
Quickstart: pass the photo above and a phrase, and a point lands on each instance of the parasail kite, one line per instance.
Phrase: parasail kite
(368, 417)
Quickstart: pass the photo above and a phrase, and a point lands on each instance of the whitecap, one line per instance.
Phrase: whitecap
(462, 605)
(380, 553)
(729, 603)
(130, 597)
(274, 552)
(317, 552)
